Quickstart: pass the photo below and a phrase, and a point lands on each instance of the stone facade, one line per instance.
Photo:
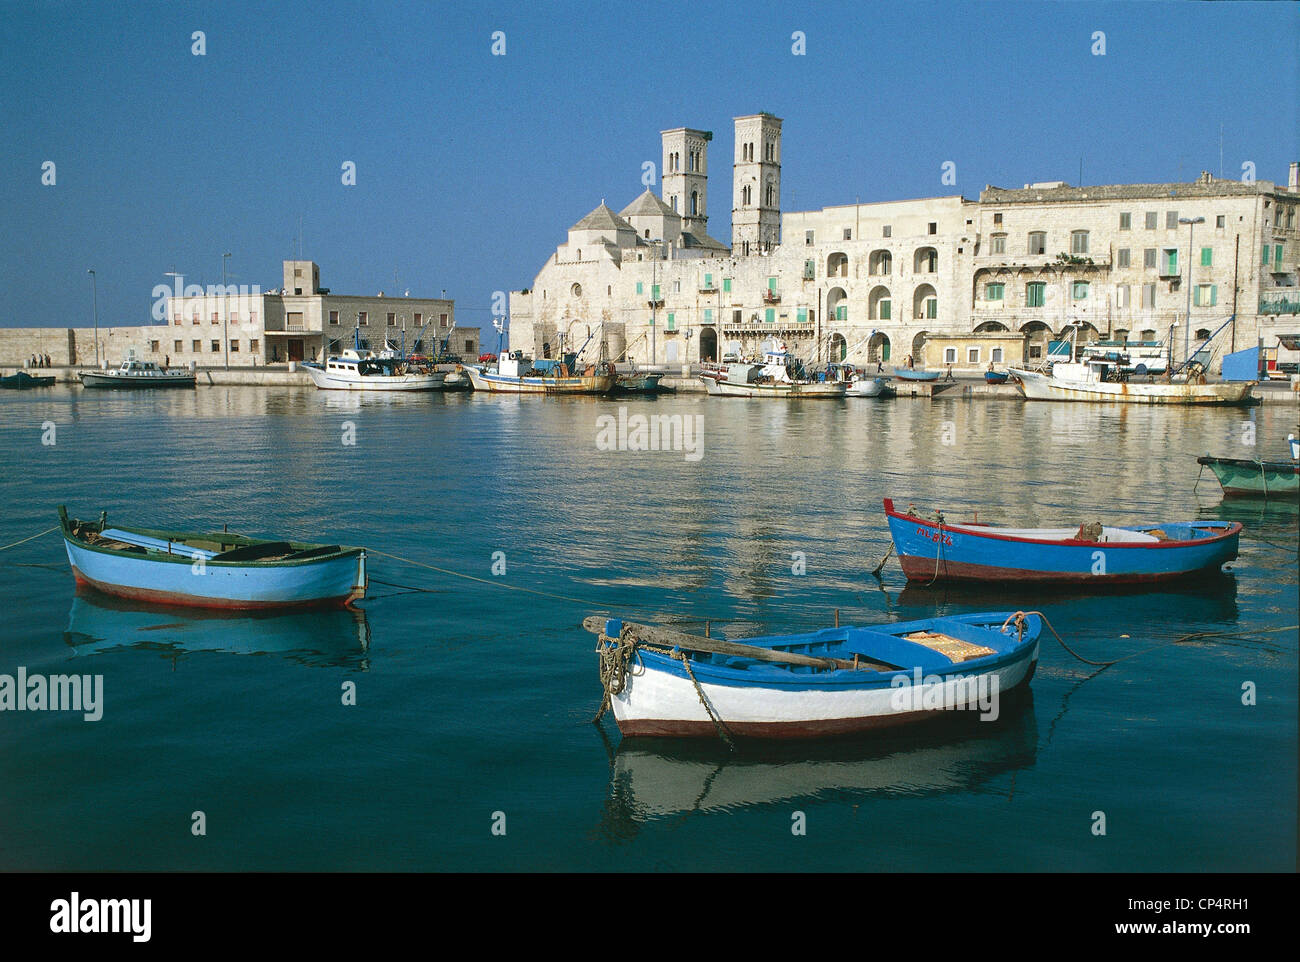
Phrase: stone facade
(229, 327)
(872, 282)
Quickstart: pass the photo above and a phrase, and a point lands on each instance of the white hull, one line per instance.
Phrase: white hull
(656, 702)
(871, 388)
(731, 389)
(1043, 387)
(508, 384)
(347, 381)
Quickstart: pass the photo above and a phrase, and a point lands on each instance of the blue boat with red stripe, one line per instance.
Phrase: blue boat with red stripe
(932, 549)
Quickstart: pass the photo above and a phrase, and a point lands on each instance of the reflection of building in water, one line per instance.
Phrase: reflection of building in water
(877, 282)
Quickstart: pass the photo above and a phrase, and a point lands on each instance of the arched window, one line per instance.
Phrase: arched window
(771, 196)
(695, 202)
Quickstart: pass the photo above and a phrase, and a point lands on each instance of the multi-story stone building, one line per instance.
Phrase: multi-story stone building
(239, 328)
(872, 282)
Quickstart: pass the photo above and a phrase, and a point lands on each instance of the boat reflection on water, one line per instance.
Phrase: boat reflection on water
(1207, 599)
(658, 777)
(315, 637)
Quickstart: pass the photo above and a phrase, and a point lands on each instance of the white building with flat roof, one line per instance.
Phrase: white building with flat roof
(870, 282)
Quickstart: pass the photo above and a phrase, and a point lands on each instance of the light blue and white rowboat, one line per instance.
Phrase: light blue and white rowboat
(211, 570)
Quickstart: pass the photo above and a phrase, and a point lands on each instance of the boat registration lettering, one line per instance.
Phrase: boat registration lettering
(935, 536)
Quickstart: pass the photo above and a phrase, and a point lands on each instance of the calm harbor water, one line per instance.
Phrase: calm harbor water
(474, 699)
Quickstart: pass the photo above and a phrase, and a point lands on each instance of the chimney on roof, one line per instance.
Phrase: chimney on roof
(1293, 179)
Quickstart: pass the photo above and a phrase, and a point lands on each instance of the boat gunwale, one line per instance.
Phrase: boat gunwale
(1231, 530)
(786, 679)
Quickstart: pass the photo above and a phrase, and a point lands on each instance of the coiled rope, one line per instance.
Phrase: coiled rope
(616, 656)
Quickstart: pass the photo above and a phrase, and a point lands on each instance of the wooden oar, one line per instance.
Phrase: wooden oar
(668, 638)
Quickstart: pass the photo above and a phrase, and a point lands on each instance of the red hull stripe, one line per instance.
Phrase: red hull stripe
(923, 569)
(193, 601)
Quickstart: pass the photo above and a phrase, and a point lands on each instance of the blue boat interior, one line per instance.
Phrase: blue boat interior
(881, 649)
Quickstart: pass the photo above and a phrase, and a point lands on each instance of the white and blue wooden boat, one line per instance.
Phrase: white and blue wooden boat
(516, 374)
(211, 570)
(835, 681)
(932, 549)
(916, 374)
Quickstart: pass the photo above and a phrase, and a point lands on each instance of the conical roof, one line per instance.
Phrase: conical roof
(602, 218)
(648, 205)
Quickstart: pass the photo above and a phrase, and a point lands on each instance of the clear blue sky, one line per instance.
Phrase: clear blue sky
(471, 167)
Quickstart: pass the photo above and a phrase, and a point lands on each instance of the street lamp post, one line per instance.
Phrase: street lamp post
(225, 310)
(654, 300)
(1191, 223)
(94, 300)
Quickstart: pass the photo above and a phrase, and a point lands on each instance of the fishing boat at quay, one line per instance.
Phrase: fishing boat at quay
(932, 549)
(645, 382)
(835, 681)
(996, 377)
(356, 370)
(135, 374)
(22, 381)
(778, 375)
(858, 383)
(517, 374)
(1247, 478)
(1101, 380)
(211, 569)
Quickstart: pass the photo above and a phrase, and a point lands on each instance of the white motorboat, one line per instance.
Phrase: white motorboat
(136, 374)
(363, 371)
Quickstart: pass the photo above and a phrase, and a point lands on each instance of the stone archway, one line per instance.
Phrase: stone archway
(839, 348)
(708, 344)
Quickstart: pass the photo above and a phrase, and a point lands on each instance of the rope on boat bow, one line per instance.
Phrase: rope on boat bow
(1018, 619)
(616, 656)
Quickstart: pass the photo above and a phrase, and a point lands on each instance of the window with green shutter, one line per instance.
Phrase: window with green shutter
(1266, 252)
(803, 315)
(1171, 261)
(770, 315)
(1277, 256)
(1035, 294)
(672, 321)
(884, 310)
(1207, 257)
(771, 283)
(1079, 290)
(708, 282)
(1214, 294)
(708, 315)
(932, 308)
(842, 312)
(726, 284)
(638, 287)
(993, 292)
(655, 293)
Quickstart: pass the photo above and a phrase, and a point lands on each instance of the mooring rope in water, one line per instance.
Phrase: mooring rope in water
(487, 581)
(1019, 618)
(888, 554)
(32, 538)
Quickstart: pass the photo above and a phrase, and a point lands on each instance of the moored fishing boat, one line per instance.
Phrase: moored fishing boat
(213, 569)
(21, 381)
(996, 377)
(1100, 380)
(645, 382)
(830, 682)
(1247, 478)
(778, 376)
(356, 370)
(932, 549)
(517, 374)
(136, 374)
